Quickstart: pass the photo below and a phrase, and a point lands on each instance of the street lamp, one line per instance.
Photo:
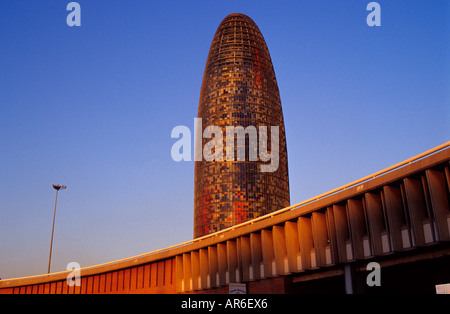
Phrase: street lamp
(57, 188)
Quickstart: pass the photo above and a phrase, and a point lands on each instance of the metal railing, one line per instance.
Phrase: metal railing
(249, 222)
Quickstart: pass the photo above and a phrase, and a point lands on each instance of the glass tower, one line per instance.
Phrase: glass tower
(239, 88)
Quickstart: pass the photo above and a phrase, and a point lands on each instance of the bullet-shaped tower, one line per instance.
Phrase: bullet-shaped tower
(239, 89)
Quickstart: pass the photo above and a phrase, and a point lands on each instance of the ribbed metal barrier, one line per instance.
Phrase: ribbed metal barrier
(403, 207)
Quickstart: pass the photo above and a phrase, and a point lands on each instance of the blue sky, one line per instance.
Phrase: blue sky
(93, 107)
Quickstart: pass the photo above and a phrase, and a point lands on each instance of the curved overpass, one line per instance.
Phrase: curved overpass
(398, 217)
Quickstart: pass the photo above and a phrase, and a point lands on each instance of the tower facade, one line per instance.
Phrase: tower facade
(239, 90)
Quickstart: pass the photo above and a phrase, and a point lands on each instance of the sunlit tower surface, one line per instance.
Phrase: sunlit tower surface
(239, 88)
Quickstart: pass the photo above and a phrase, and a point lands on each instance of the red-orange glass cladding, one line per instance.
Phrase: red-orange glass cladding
(239, 88)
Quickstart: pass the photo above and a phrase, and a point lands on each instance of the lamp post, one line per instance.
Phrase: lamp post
(57, 188)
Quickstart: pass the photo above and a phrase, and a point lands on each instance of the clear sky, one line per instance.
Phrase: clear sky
(93, 107)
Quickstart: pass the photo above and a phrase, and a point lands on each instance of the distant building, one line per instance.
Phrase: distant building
(239, 88)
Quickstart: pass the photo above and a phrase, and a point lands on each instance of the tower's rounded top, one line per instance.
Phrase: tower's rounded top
(239, 41)
(239, 16)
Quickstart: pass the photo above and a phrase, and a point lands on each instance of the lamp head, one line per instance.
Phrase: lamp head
(58, 187)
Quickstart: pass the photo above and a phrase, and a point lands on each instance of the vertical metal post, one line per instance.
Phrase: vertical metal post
(57, 188)
(53, 228)
(348, 277)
